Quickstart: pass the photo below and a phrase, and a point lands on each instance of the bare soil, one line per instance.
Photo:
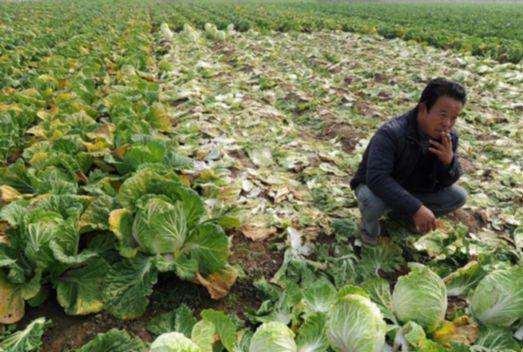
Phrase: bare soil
(332, 127)
(469, 218)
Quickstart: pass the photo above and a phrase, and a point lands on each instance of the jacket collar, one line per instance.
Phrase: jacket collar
(412, 126)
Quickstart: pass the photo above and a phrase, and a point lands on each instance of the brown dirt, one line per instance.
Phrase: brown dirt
(456, 304)
(333, 128)
(469, 218)
(243, 158)
(467, 166)
(255, 258)
(74, 331)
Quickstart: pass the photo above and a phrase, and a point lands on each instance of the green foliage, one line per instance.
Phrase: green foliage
(27, 340)
(174, 342)
(180, 320)
(355, 324)
(420, 297)
(127, 286)
(113, 341)
(498, 298)
(273, 336)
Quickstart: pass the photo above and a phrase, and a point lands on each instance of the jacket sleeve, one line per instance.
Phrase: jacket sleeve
(380, 165)
(448, 175)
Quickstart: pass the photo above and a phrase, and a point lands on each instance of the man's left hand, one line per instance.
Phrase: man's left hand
(443, 149)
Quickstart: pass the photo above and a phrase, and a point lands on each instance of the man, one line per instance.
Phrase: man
(411, 163)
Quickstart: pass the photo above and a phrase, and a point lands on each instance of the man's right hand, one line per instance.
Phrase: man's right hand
(424, 219)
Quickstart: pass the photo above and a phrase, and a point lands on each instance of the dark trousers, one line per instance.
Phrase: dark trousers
(372, 207)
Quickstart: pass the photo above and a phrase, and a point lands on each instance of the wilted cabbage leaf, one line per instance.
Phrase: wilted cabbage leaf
(416, 338)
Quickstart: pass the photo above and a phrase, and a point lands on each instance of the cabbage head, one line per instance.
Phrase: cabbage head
(420, 296)
(274, 337)
(498, 298)
(174, 342)
(159, 226)
(355, 324)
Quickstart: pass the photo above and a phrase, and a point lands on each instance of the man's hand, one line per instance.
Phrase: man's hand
(424, 219)
(444, 149)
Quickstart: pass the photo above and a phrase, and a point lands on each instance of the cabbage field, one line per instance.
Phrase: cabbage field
(175, 177)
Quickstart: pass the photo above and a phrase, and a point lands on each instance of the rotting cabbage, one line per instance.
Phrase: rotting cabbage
(174, 342)
(355, 324)
(420, 296)
(273, 336)
(498, 298)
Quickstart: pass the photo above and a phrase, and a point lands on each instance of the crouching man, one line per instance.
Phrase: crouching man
(410, 165)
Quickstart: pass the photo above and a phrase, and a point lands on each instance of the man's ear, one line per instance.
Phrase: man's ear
(422, 109)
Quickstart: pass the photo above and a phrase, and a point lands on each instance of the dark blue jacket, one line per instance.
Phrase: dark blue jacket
(390, 161)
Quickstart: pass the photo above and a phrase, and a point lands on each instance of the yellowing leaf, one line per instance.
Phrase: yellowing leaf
(10, 107)
(116, 218)
(257, 233)
(39, 158)
(462, 329)
(105, 132)
(12, 304)
(8, 194)
(95, 147)
(218, 284)
(120, 151)
(56, 135)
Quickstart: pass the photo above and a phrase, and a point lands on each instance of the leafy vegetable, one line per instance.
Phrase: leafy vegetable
(420, 297)
(355, 324)
(498, 298)
(273, 336)
(27, 340)
(113, 341)
(173, 342)
(180, 320)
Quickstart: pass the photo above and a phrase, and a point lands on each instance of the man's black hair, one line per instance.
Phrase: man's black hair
(442, 87)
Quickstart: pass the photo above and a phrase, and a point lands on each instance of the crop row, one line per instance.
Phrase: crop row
(480, 29)
(90, 171)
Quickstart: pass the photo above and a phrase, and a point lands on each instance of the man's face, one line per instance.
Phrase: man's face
(441, 117)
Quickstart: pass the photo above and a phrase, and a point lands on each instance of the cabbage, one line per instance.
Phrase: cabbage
(166, 32)
(174, 342)
(355, 324)
(274, 337)
(420, 296)
(160, 227)
(498, 298)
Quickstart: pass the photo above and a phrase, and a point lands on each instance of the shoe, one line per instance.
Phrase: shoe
(368, 239)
